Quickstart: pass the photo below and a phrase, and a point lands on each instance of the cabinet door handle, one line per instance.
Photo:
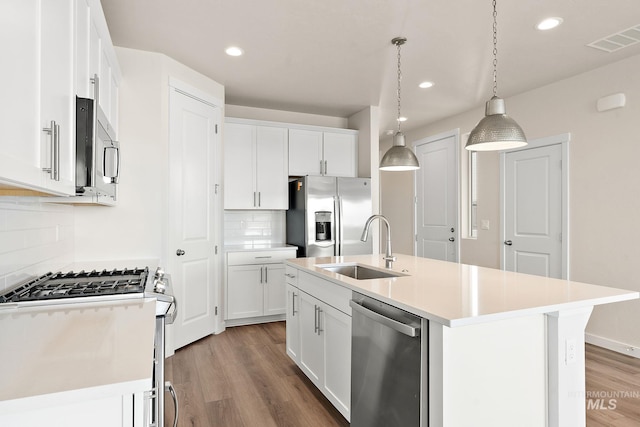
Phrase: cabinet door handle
(259, 194)
(325, 167)
(266, 274)
(54, 166)
(315, 319)
(96, 89)
(319, 320)
(293, 303)
(254, 199)
(261, 275)
(56, 153)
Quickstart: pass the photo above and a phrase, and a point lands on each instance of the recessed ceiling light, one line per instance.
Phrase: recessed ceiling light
(234, 51)
(549, 23)
(402, 119)
(425, 85)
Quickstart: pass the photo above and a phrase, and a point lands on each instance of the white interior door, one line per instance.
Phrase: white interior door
(193, 151)
(533, 191)
(437, 197)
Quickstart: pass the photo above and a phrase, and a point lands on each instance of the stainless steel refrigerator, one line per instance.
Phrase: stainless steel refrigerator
(327, 214)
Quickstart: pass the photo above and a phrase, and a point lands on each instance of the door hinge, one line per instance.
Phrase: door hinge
(216, 188)
(216, 250)
(416, 238)
(216, 128)
(415, 200)
(215, 311)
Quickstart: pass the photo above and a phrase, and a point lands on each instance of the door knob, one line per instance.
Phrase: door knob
(451, 239)
(179, 252)
(508, 242)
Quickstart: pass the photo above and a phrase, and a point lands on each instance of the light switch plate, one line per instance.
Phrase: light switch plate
(484, 224)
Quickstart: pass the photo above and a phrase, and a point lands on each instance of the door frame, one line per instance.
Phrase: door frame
(186, 89)
(563, 140)
(455, 133)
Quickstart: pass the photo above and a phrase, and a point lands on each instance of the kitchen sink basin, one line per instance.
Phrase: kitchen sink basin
(359, 272)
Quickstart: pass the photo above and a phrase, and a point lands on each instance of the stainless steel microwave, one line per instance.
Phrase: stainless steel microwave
(97, 151)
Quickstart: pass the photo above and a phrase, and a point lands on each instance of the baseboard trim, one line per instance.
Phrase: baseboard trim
(617, 346)
(254, 320)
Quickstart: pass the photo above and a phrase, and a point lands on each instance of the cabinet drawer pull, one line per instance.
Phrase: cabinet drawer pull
(263, 257)
(290, 276)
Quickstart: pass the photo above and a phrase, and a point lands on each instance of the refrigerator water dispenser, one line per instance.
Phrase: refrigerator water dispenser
(323, 226)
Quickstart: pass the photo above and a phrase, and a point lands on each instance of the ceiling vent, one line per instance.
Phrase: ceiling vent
(619, 40)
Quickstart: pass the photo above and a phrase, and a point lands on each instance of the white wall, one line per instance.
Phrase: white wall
(367, 121)
(35, 238)
(604, 180)
(134, 229)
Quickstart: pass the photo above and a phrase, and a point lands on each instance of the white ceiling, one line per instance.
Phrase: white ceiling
(335, 57)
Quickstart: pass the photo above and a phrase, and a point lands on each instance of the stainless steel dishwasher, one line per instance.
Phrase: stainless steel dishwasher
(386, 365)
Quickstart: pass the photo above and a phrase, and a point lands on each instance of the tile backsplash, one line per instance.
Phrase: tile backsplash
(34, 238)
(254, 227)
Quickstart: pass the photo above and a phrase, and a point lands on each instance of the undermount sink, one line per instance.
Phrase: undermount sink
(359, 272)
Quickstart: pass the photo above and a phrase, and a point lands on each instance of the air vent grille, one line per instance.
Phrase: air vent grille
(619, 40)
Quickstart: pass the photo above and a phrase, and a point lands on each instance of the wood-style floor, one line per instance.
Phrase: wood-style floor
(613, 388)
(243, 378)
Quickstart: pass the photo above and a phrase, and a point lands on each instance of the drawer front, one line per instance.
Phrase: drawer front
(291, 275)
(335, 295)
(259, 257)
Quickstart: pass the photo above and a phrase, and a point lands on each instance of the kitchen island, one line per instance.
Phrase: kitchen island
(503, 348)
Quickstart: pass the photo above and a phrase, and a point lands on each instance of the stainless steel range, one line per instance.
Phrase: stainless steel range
(107, 285)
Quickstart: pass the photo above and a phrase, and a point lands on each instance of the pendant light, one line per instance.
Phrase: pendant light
(399, 157)
(496, 131)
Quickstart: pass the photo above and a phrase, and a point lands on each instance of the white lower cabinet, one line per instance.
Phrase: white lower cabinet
(319, 338)
(256, 285)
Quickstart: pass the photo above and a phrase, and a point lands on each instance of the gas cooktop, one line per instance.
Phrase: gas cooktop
(80, 284)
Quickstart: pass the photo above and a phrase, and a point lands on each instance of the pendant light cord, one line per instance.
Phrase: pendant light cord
(398, 44)
(495, 50)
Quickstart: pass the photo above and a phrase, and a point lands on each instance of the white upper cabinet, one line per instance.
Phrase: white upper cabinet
(37, 105)
(97, 71)
(305, 152)
(49, 58)
(313, 152)
(255, 167)
(340, 154)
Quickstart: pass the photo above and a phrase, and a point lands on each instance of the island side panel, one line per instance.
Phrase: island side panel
(565, 334)
(496, 371)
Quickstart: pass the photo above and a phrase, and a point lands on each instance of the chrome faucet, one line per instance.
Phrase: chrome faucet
(389, 258)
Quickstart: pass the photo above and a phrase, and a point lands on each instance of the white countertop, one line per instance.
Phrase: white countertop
(259, 247)
(67, 352)
(458, 294)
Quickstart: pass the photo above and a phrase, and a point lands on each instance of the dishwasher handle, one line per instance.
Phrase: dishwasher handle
(403, 328)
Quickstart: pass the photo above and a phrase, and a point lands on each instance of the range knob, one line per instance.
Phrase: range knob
(159, 286)
(159, 274)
